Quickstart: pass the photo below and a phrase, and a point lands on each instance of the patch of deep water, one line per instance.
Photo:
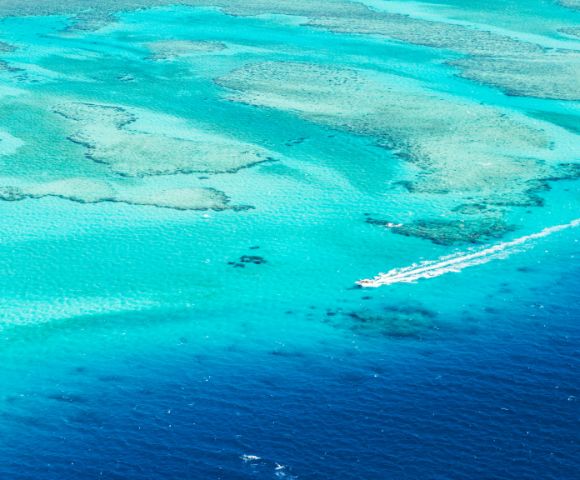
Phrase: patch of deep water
(179, 383)
(180, 400)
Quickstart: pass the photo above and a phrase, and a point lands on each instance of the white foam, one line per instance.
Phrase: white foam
(250, 458)
(461, 260)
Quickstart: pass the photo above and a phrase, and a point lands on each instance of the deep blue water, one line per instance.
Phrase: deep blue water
(492, 393)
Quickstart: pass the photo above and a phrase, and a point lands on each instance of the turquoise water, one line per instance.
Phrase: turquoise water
(191, 193)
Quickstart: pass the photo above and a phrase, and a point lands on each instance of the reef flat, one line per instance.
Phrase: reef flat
(134, 152)
(170, 49)
(458, 148)
(91, 191)
(544, 76)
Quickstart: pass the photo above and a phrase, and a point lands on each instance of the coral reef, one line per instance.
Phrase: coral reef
(171, 49)
(552, 75)
(83, 190)
(112, 136)
(450, 232)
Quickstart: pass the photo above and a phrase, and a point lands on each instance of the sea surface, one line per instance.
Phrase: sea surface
(253, 239)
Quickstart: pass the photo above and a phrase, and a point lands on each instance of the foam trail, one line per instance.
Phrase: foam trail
(459, 261)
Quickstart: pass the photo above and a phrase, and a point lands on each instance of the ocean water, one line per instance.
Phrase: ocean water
(289, 240)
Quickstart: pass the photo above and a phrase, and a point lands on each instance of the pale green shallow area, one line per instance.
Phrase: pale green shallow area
(156, 147)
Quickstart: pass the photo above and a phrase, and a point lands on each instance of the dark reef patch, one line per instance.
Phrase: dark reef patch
(449, 232)
(67, 398)
(296, 141)
(566, 171)
(471, 208)
(6, 47)
(397, 321)
(86, 417)
(248, 260)
(525, 269)
(6, 67)
(287, 353)
(255, 259)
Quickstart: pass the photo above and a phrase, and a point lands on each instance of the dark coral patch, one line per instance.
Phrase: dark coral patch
(398, 321)
(254, 259)
(248, 260)
(449, 232)
(67, 397)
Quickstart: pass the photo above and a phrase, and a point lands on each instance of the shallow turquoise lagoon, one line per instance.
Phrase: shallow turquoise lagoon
(290, 240)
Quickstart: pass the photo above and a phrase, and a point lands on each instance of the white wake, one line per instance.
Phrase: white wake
(461, 260)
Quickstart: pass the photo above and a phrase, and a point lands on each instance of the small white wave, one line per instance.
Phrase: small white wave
(461, 260)
(250, 458)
